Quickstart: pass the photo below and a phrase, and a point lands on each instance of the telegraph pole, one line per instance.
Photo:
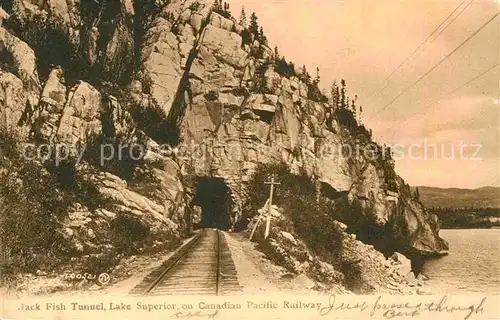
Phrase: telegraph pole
(272, 183)
(268, 204)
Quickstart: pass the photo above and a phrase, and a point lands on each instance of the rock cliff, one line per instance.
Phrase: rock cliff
(179, 73)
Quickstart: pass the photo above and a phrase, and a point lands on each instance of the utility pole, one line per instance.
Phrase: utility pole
(258, 221)
(272, 183)
(268, 204)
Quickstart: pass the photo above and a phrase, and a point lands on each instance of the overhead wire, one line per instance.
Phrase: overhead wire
(435, 66)
(386, 81)
(445, 95)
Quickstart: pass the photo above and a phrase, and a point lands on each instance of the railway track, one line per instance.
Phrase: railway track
(202, 267)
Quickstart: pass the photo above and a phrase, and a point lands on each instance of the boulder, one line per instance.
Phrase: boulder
(229, 99)
(60, 8)
(264, 107)
(220, 22)
(24, 59)
(12, 101)
(81, 116)
(410, 279)
(340, 225)
(132, 202)
(303, 281)
(225, 46)
(288, 236)
(51, 106)
(422, 277)
(400, 259)
(402, 265)
(161, 66)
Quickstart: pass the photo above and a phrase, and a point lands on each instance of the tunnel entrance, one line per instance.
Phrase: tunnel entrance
(213, 196)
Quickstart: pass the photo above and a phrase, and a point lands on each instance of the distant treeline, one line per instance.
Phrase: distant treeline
(467, 218)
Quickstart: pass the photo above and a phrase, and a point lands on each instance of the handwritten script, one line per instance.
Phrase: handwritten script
(345, 52)
(390, 310)
(196, 314)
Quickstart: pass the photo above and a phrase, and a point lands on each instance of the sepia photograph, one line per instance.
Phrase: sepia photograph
(241, 159)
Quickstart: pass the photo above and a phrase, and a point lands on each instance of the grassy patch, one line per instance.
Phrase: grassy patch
(34, 201)
(313, 221)
(128, 232)
(49, 38)
(117, 155)
(127, 235)
(31, 208)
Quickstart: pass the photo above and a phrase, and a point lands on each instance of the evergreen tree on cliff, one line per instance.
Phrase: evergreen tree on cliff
(343, 101)
(305, 76)
(217, 6)
(334, 95)
(353, 107)
(317, 79)
(276, 54)
(243, 17)
(254, 25)
(262, 38)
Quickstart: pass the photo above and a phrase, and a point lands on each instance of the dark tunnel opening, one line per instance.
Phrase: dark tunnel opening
(213, 196)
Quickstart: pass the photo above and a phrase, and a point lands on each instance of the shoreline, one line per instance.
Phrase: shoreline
(469, 228)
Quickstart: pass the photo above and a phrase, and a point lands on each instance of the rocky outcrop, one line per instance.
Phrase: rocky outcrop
(167, 48)
(357, 266)
(67, 117)
(12, 101)
(80, 118)
(67, 11)
(51, 106)
(23, 58)
(99, 35)
(242, 129)
(231, 110)
(20, 82)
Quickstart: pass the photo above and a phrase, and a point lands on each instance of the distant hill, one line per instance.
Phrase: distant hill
(459, 198)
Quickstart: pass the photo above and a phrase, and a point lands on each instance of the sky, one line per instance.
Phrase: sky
(446, 124)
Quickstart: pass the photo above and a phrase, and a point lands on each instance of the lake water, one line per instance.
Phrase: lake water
(473, 264)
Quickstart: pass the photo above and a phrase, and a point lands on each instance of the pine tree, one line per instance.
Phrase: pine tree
(262, 38)
(353, 104)
(219, 7)
(338, 97)
(291, 67)
(334, 95)
(243, 17)
(353, 108)
(317, 79)
(276, 54)
(304, 75)
(254, 25)
(343, 101)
